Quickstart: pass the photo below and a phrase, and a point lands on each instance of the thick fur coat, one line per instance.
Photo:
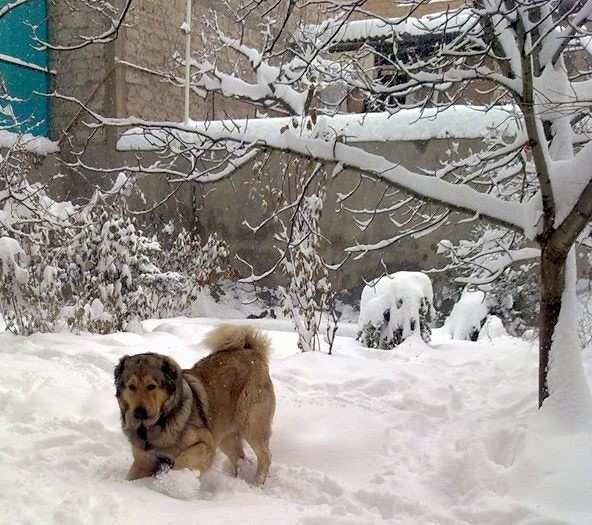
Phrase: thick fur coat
(179, 417)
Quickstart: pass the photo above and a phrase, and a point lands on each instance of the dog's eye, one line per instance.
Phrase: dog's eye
(150, 387)
(132, 387)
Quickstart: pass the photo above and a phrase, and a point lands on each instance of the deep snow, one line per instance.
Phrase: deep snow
(445, 433)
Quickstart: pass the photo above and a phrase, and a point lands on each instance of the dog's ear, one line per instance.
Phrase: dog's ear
(118, 375)
(171, 372)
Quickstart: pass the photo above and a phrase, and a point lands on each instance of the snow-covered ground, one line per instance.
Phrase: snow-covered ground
(446, 433)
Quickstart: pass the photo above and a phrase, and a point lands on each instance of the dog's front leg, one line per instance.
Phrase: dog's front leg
(144, 465)
(197, 457)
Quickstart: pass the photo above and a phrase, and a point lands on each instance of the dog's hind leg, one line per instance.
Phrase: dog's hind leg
(259, 442)
(232, 446)
(256, 429)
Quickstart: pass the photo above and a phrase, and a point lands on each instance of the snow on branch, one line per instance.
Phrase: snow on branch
(271, 86)
(323, 142)
(8, 59)
(112, 17)
(410, 75)
(11, 6)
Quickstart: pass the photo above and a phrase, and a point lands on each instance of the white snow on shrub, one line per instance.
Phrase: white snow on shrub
(393, 307)
(11, 254)
(492, 329)
(467, 316)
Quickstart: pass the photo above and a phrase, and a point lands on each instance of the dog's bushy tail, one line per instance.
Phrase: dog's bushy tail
(237, 337)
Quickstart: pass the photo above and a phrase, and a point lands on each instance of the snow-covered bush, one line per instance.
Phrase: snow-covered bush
(474, 317)
(194, 264)
(32, 229)
(117, 274)
(13, 279)
(393, 307)
(499, 263)
(110, 273)
(492, 329)
(468, 315)
(91, 267)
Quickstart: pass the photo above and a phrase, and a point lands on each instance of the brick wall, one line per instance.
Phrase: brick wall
(152, 37)
(82, 73)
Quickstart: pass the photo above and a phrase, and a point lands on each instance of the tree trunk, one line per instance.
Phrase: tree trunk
(551, 289)
(563, 390)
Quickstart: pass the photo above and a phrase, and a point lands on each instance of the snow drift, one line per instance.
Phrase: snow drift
(445, 433)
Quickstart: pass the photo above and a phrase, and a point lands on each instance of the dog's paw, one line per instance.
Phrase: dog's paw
(180, 484)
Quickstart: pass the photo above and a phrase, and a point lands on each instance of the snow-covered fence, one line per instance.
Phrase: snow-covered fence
(394, 307)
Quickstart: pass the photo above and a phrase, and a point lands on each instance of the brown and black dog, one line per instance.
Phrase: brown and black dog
(180, 417)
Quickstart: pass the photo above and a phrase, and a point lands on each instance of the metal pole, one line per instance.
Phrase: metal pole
(187, 29)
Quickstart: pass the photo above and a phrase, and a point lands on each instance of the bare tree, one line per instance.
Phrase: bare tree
(529, 55)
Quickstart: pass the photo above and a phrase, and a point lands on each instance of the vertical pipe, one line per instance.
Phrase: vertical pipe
(187, 29)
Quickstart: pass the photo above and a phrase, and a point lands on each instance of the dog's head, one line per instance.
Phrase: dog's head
(146, 386)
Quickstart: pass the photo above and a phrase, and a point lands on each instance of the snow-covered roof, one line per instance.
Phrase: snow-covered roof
(458, 122)
(383, 28)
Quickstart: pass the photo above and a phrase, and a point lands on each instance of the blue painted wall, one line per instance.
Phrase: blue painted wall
(22, 82)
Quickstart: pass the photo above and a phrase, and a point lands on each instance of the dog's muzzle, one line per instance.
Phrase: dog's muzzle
(140, 413)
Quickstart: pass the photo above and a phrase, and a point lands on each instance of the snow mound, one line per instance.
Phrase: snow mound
(179, 484)
(467, 316)
(492, 328)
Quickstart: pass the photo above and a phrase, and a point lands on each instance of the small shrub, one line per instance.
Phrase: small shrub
(393, 308)
(485, 262)
(98, 272)
(468, 316)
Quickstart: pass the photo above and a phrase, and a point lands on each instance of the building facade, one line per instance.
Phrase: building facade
(133, 74)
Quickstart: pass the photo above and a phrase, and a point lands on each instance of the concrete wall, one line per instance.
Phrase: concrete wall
(223, 207)
(227, 208)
